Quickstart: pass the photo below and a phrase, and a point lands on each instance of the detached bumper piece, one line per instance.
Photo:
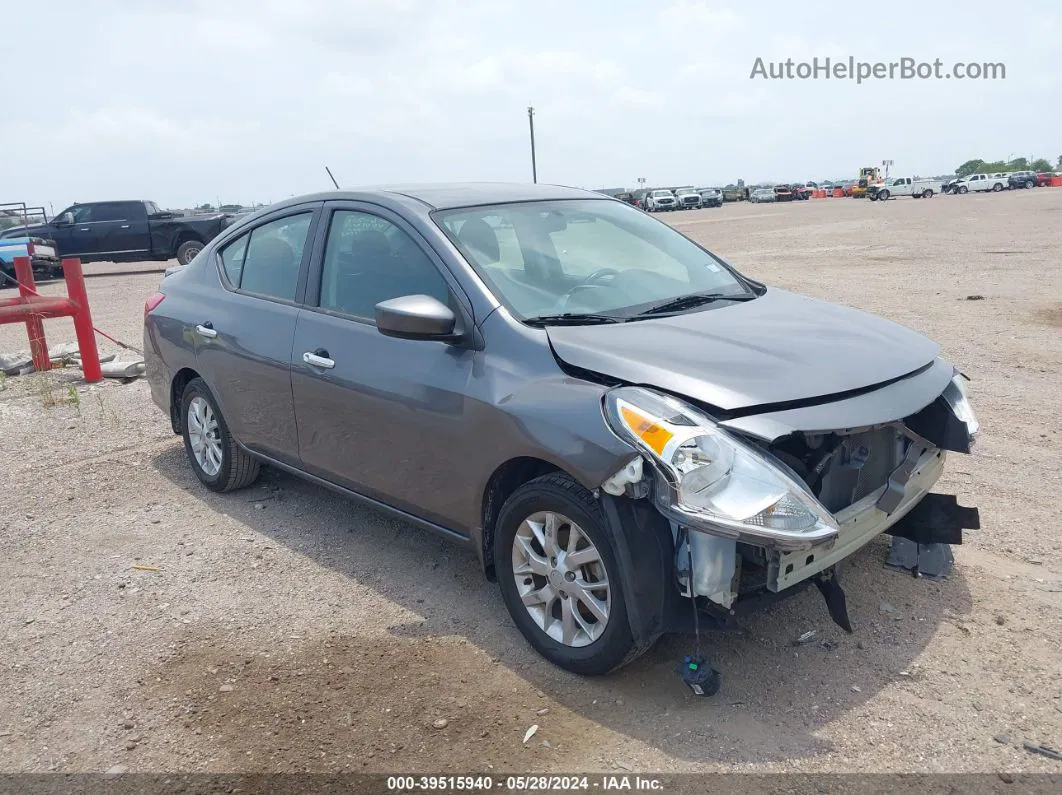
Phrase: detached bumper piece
(921, 541)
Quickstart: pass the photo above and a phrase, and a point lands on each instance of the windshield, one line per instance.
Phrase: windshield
(685, 191)
(582, 256)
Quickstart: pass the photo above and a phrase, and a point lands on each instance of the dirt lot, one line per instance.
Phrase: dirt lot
(286, 629)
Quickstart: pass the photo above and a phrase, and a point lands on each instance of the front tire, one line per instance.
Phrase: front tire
(883, 195)
(559, 576)
(1030, 184)
(220, 464)
(964, 189)
(188, 250)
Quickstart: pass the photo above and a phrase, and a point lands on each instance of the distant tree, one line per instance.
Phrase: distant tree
(1018, 164)
(1040, 164)
(207, 207)
(970, 167)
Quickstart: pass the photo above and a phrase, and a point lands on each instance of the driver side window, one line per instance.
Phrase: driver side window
(82, 213)
(367, 259)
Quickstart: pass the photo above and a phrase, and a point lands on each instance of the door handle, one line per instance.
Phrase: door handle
(319, 358)
(83, 229)
(124, 226)
(206, 330)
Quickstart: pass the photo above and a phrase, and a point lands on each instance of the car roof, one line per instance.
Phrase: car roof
(445, 196)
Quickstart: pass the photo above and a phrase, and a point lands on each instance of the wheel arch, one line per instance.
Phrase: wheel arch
(180, 380)
(503, 482)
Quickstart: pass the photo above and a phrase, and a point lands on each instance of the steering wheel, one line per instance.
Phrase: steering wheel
(599, 274)
(591, 281)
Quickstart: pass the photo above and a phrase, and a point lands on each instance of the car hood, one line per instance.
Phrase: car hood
(776, 349)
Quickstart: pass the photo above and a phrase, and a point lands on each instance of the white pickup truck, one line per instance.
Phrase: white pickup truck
(980, 182)
(905, 186)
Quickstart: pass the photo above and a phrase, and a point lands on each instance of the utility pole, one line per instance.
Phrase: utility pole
(531, 124)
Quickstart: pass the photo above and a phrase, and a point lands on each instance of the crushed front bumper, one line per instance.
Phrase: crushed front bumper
(859, 524)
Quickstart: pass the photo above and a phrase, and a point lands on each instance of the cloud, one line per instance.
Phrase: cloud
(252, 98)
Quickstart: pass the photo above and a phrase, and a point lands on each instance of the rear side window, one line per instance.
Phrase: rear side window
(232, 259)
(117, 211)
(266, 260)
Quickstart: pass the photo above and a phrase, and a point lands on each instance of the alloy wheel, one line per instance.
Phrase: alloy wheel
(561, 579)
(204, 435)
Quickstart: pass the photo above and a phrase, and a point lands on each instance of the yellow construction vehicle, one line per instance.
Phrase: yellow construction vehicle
(867, 176)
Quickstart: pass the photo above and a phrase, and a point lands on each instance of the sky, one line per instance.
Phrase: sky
(199, 101)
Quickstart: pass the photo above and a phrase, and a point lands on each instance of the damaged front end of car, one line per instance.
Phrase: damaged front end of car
(765, 502)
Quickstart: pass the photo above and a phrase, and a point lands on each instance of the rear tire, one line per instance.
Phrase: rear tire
(594, 650)
(220, 464)
(997, 188)
(188, 250)
(927, 193)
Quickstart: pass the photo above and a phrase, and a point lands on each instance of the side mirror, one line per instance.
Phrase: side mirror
(65, 219)
(416, 317)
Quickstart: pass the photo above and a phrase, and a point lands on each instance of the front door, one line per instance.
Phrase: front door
(383, 416)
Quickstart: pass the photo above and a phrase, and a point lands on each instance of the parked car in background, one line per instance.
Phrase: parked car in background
(711, 197)
(688, 198)
(904, 186)
(660, 200)
(1043, 179)
(1022, 179)
(41, 252)
(629, 198)
(782, 193)
(800, 192)
(124, 231)
(979, 183)
(655, 433)
(735, 193)
(762, 195)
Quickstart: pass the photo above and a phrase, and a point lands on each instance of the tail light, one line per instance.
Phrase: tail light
(153, 302)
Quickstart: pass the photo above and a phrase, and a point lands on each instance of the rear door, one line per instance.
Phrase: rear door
(119, 229)
(385, 417)
(246, 324)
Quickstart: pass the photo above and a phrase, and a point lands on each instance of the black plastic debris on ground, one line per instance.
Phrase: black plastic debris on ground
(926, 560)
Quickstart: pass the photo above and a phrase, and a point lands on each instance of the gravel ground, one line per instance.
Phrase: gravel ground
(285, 629)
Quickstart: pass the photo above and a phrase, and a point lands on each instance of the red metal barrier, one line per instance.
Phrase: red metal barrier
(32, 308)
(1056, 182)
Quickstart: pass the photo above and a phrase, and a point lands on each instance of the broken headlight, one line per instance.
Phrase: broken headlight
(955, 396)
(712, 481)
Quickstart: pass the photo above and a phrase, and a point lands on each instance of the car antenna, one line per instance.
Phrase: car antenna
(331, 177)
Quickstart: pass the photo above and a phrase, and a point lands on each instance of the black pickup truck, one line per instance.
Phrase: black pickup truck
(125, 231)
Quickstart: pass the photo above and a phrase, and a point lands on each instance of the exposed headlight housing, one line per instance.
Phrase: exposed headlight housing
(955, 396)
(710, 480)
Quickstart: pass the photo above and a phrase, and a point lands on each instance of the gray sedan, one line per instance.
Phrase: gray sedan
(624, 428)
